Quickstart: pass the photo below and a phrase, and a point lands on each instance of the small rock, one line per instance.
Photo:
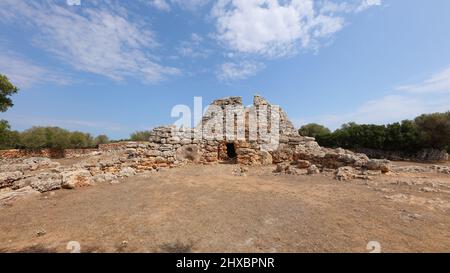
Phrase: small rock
(41, 233)
(313, 170)
(303, 164)
(345, 173)
(282, 167)
(127, 172)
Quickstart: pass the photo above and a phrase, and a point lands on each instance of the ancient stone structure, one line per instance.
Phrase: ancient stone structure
(258, 135)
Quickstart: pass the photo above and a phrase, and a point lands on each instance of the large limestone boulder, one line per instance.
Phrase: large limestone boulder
(379, 164)
(8, 178)
(266, 158)
(105, 178)
(127, 172)
(29, 164)
(345, 173)
(76, 179)
(282, 154)
(189, 153)
(45, 182)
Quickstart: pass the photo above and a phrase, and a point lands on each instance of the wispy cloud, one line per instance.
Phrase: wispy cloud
(166, 5)
(366, 4)
(100, 40)
(160, 4)
(231, 71)
(25, 74)
(438, 83)
(193, 48)
(72, 124)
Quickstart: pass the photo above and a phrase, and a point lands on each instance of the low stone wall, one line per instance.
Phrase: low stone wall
(47, 153)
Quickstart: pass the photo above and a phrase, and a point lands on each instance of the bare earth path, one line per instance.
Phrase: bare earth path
(208, 209)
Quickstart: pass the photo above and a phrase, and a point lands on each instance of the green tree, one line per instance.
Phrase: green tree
(140, 136)
(34, 138)
(7, 89)
(313, 130)
(101, 139)
(54, 137)
(434, 129)
(8, 139)
(80, 140)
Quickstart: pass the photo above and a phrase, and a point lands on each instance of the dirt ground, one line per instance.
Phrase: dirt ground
(208, 209)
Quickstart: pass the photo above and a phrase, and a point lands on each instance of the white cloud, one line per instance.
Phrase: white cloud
(365, 4)
(95, 40)
(438, 83)
(193, 47)
(238, 71)
(25, 74)
(274, 28)
(165, 5)
(160, 4)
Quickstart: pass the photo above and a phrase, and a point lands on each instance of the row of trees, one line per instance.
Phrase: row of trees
(47, 137)
(425, 131)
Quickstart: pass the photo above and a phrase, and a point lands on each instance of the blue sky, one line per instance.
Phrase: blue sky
(115, 67)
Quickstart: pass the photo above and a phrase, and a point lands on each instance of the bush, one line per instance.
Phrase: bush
(313, 130)
(140, 136)
(8, 139)
(50, 137)
(101, 139)
(435, 129)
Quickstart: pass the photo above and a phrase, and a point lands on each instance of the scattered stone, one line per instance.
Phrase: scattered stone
(379, 164)
(313, 170)
(76, 179)
(345, 173)
(45, 182)
(127, 172)
(303, 164)
(104, 177)
(8, 178)
(282, 167)
(429, 189)
(240, 171)
(41, 233)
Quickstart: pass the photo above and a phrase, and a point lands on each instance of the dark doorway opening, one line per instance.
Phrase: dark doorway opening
(231, 151)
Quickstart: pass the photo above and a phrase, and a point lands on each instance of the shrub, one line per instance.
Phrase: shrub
(140, 136)
(313, 130)
(101, 139)
(8, 139)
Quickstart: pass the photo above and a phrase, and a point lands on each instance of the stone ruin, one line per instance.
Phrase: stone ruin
(292, 150)
(170, 147)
